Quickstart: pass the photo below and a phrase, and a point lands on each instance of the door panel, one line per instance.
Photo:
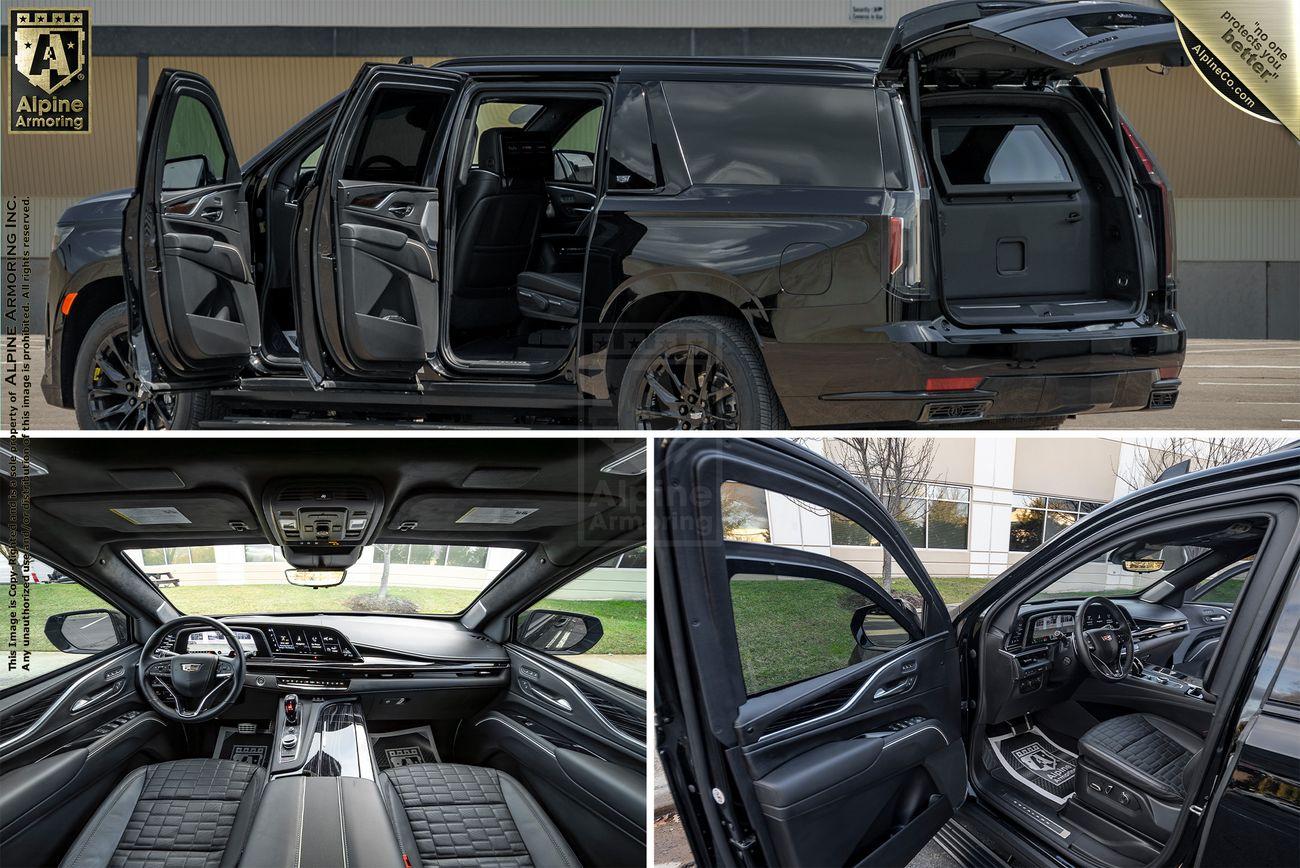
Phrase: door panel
(190, 287)
(858, 765)
(368, 302)
(577, 742)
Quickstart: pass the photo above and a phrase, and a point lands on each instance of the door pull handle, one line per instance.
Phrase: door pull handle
(402, 210)
(212, 214)
(901, 686)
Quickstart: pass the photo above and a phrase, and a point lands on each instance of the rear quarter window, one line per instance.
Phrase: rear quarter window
(793, 135)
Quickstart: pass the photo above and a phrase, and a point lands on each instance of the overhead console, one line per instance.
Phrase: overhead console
(323, 523)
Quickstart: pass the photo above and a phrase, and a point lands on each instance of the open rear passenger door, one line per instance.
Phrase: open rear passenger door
(805, 716)
(191, 298)
(367, 239)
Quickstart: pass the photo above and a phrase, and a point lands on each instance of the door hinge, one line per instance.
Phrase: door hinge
(968, 705)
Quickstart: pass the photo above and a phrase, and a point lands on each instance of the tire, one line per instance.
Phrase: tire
(742, 397)
(96, 387)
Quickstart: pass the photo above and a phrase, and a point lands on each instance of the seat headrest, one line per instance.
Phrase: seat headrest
(514, 154)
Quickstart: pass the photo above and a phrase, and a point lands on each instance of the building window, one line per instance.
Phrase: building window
(180, 555)
(936, 517)
(261, 554)
(1036, 518)
(744, 513)
(432, 556)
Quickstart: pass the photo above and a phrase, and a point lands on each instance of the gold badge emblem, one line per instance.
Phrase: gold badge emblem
(50, 47)
(50, 77)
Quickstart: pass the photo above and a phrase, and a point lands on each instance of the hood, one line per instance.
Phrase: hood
(104, 206)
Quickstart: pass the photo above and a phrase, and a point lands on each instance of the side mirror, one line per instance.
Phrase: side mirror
(873, 627)
(300, 184)
(86, 632)
(315, 578)
(560, 632)
(187, 173)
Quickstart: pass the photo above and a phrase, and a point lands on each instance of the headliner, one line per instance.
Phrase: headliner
(224, 478)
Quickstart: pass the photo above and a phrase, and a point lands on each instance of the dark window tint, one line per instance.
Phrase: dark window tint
(196, 156)
(777, 134)
(396, 137)
(632, 163)
(1287, 687)
(999, 154)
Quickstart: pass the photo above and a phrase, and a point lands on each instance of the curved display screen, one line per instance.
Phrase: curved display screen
(1046, 627)
(212, 642)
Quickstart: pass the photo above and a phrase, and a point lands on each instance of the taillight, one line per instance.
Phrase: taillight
(895, 244)
(1166, 203)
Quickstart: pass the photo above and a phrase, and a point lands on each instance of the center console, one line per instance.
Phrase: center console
(323, 806)
(1168, 679)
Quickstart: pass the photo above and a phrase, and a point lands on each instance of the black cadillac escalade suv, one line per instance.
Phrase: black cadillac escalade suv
(962, 231)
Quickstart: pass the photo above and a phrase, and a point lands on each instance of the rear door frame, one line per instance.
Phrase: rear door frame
(696, 646)
(321, 333)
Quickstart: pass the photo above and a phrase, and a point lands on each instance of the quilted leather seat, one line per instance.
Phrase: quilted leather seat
(456, 816)
(192, 813)
(1149, 753)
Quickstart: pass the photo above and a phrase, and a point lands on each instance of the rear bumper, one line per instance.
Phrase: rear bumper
(1024, 375)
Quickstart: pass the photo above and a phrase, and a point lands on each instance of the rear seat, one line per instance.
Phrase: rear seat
(449, 815)
(550, 296)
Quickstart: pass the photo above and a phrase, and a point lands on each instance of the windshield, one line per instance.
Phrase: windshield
(393, 578)
(1101, 578)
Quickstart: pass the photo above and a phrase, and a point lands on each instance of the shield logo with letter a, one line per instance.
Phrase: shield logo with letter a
(50, 46)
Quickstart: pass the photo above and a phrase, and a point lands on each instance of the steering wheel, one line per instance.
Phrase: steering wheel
(1106, 652)
(190, 679)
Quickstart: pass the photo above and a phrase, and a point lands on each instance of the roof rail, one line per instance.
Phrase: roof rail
(837, 63)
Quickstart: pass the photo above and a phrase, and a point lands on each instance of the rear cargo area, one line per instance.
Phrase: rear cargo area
(1034, 226)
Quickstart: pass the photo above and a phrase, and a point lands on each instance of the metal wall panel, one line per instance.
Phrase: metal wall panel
(502, 13)
(1238, 230)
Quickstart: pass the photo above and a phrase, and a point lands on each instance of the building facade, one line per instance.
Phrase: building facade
(1236, 179)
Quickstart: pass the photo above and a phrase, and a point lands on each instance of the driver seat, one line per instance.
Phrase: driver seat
(192, 812)
(1136, 768)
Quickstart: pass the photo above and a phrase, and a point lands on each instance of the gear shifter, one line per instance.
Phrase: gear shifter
(289, 738)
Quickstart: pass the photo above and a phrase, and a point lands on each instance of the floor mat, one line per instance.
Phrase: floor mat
(1036, 760)
(253, 748)
(405, 747)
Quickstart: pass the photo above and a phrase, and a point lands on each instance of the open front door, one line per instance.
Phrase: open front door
(191, 298)
(806, 717)
(368, 300)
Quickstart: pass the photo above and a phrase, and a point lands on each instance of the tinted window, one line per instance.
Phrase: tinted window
(777, 134)
(999, 154)
(195, 155)
(86, 624)
(631, 152)
(396, 137)
(574, 155)
(613, 592)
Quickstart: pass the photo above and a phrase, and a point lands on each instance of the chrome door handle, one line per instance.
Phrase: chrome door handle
(901, 687)
(212, 213)
(545, 695)
(402, 210)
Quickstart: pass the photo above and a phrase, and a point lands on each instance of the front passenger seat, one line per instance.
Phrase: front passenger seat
(1136, 769)
(193, 812)
(452, 814)
(499, 209)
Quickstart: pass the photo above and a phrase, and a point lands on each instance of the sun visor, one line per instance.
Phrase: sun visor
(458, 512)
(152, 514)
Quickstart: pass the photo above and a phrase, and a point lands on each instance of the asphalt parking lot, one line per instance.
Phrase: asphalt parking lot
(1242, 385)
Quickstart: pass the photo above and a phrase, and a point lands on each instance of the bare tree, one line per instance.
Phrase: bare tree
(895, 469)
(386, 550)
(1156, 455)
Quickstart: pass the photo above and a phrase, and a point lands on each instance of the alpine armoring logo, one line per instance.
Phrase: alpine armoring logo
(49, 82)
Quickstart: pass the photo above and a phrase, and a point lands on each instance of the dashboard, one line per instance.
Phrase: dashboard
(212, 642)
(1046, 623)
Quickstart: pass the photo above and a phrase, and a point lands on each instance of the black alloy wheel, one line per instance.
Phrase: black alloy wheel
(113, 391)
(687, 389)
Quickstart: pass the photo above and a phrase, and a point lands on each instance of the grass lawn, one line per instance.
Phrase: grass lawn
(624, 620)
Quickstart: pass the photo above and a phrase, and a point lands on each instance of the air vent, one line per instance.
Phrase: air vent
(823, 705)
(15, 723)
(322, 491)
(622, 719)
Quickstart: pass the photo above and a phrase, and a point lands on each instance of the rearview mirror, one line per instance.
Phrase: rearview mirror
(1144, 566)
(560, 632)
(315, 578)
(86, 632)
(187, 173)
